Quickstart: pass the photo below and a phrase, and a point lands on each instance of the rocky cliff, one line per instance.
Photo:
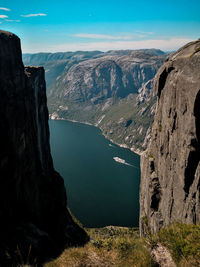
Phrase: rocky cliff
(108, 76)
(111, 90)
(170, 179)
(35, 222)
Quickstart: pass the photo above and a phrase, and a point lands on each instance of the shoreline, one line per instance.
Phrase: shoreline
(137, 151)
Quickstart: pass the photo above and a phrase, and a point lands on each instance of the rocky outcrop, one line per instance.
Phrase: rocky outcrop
(98, 79)
(146, 92)
(35, 222)
(170, 167)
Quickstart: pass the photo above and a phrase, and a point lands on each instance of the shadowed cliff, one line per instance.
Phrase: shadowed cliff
(170, 179)
(33, 213)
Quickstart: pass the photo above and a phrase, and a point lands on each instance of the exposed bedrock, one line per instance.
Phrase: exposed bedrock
(170, 167)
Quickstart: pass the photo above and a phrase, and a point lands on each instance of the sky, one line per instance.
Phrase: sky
(71, 25)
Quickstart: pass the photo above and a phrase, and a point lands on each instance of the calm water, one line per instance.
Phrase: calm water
(100, 190)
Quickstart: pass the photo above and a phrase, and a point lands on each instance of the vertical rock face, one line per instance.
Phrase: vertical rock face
(170, 180)
(33, 211)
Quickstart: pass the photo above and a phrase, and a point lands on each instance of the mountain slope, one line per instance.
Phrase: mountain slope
(112, 90)
(54, 63)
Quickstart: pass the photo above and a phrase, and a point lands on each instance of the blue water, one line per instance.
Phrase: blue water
(100, 191)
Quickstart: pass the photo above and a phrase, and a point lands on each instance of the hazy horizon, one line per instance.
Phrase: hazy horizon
(61, 26)
(77, 51)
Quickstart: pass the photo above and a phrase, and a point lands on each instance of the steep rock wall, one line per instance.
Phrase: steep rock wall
(95, 80)
(33, 210)
(170, 167)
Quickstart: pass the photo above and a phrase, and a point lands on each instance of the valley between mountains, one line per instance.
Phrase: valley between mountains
(111, 90)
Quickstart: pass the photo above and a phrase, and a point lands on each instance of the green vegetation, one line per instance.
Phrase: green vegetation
(151, 157)
(125, 110)
(183, 241)
(196, 51)
(111, 90)
(122, 247)
(145, 220)
(75, 219)
(109, 246)
(118, 246)
(122, 120)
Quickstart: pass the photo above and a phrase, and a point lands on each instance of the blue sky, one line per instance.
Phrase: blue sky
(63, 25)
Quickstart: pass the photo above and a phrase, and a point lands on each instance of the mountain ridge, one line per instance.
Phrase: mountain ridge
(93, 89)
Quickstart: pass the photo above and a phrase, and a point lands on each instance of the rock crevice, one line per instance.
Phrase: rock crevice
(170, 167)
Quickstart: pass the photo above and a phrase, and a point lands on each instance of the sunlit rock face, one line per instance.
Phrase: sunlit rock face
(170, 179)
(33, 212)
(105, 89)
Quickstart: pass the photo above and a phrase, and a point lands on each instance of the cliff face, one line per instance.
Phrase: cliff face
(112, 91)
(55, 63)
(58, 64)
(170, 179)
(108, 76)
(33, 211)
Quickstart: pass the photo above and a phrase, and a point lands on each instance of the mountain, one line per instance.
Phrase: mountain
(111, 90)
(35, 222)
(54, 63)
(170, 168)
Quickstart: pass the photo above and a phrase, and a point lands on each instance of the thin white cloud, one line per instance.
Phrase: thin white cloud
(4, 8)
(3, 16)
(166, 45)
(34, 15)
(101, 36)
(12, 20)
(148, 33)
(127, 36)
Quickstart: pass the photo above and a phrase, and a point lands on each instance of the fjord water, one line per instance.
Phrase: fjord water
(100, 190)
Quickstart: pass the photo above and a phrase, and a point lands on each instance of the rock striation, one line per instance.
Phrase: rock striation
(35, 222)
(111, 75)
(170, 167)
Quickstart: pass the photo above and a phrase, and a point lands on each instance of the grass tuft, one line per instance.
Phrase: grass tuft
(183, 242)
(109, 246)
(122, 247)
(196, 51)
